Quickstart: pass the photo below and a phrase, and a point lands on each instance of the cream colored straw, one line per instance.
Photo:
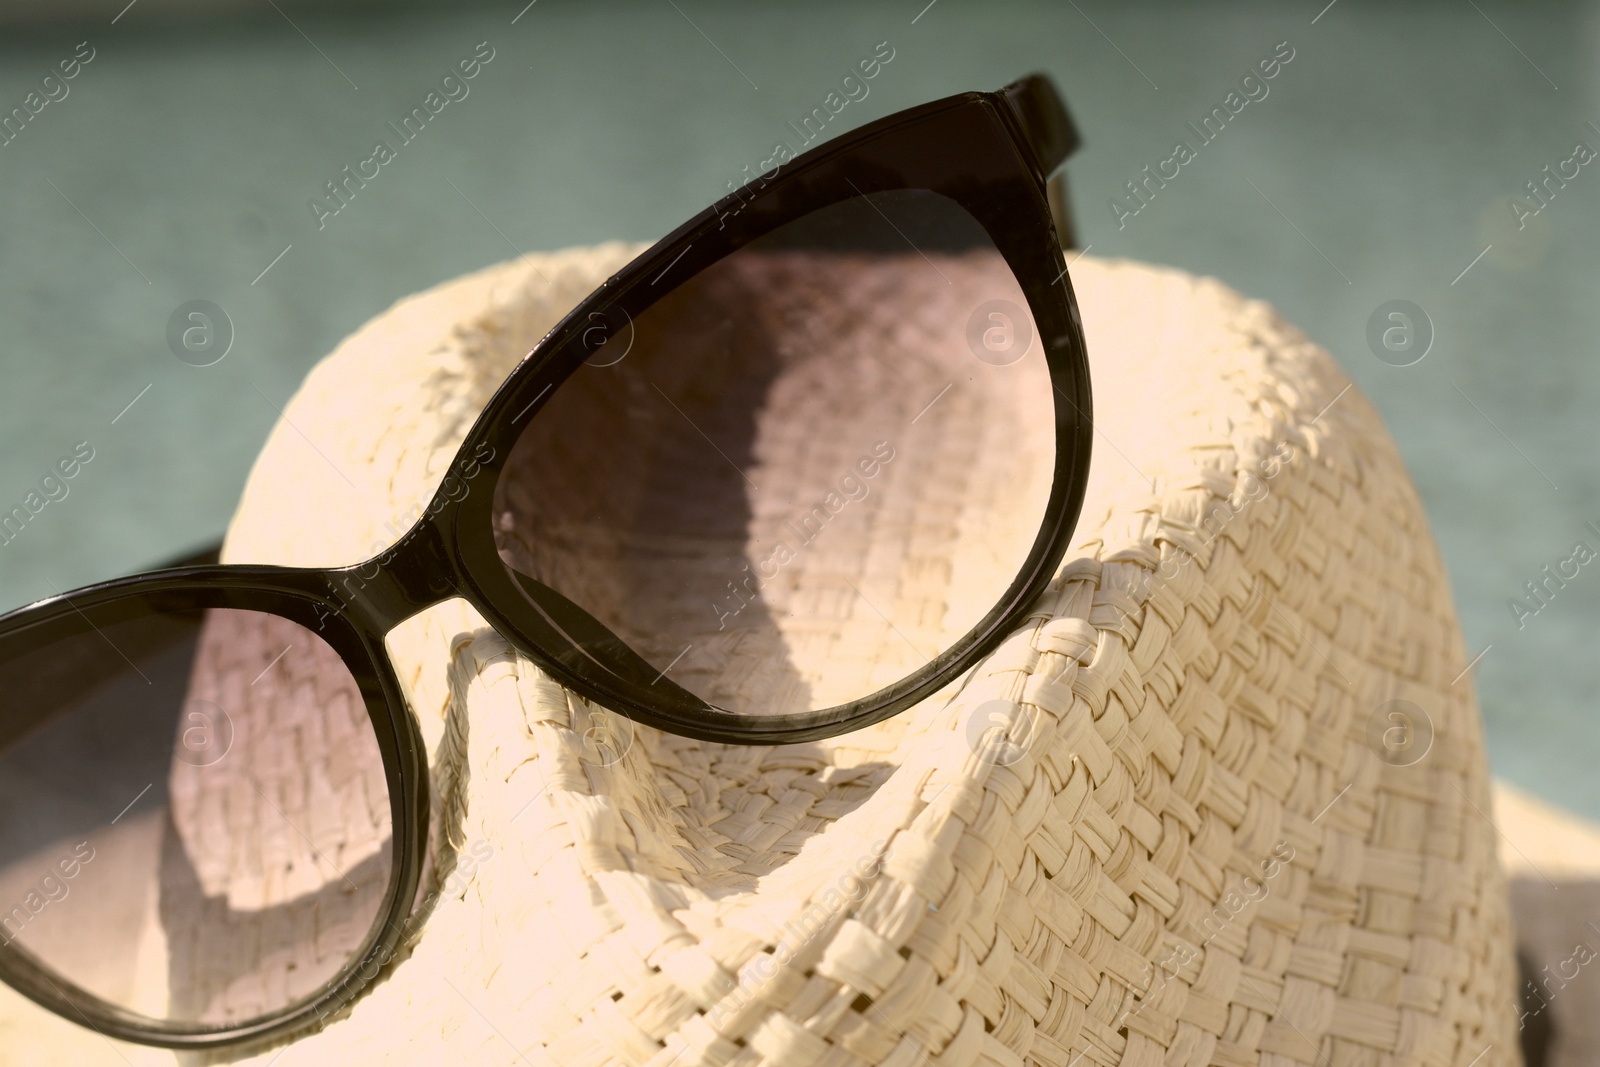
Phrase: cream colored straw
(1205, 839)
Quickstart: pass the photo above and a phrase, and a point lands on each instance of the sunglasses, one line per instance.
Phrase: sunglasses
(791, 471)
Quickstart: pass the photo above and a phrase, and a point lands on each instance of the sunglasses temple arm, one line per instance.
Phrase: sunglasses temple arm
(1061, 210)
(1047, 127)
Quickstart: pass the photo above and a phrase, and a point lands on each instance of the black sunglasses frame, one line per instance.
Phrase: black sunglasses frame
(992, 153)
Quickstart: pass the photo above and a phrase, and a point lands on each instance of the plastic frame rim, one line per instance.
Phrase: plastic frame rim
(302, 597)
(450, 551)
(1035, 264)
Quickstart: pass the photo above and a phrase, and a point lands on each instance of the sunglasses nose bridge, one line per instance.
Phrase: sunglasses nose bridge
(417, 573)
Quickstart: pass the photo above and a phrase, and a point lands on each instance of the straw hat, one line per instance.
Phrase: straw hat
(1223, 799)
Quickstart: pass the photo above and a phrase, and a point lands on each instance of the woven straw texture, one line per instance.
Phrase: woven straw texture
(1190, 845)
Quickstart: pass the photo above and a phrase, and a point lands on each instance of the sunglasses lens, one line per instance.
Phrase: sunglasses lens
(804, 472)
(194, 813)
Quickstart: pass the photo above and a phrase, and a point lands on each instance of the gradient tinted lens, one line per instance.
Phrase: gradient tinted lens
(806, 471)
(194, 814)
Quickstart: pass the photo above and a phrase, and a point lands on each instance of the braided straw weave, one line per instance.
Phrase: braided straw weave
(1187, 849)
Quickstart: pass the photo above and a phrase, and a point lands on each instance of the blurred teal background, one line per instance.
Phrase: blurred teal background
(179, 166)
